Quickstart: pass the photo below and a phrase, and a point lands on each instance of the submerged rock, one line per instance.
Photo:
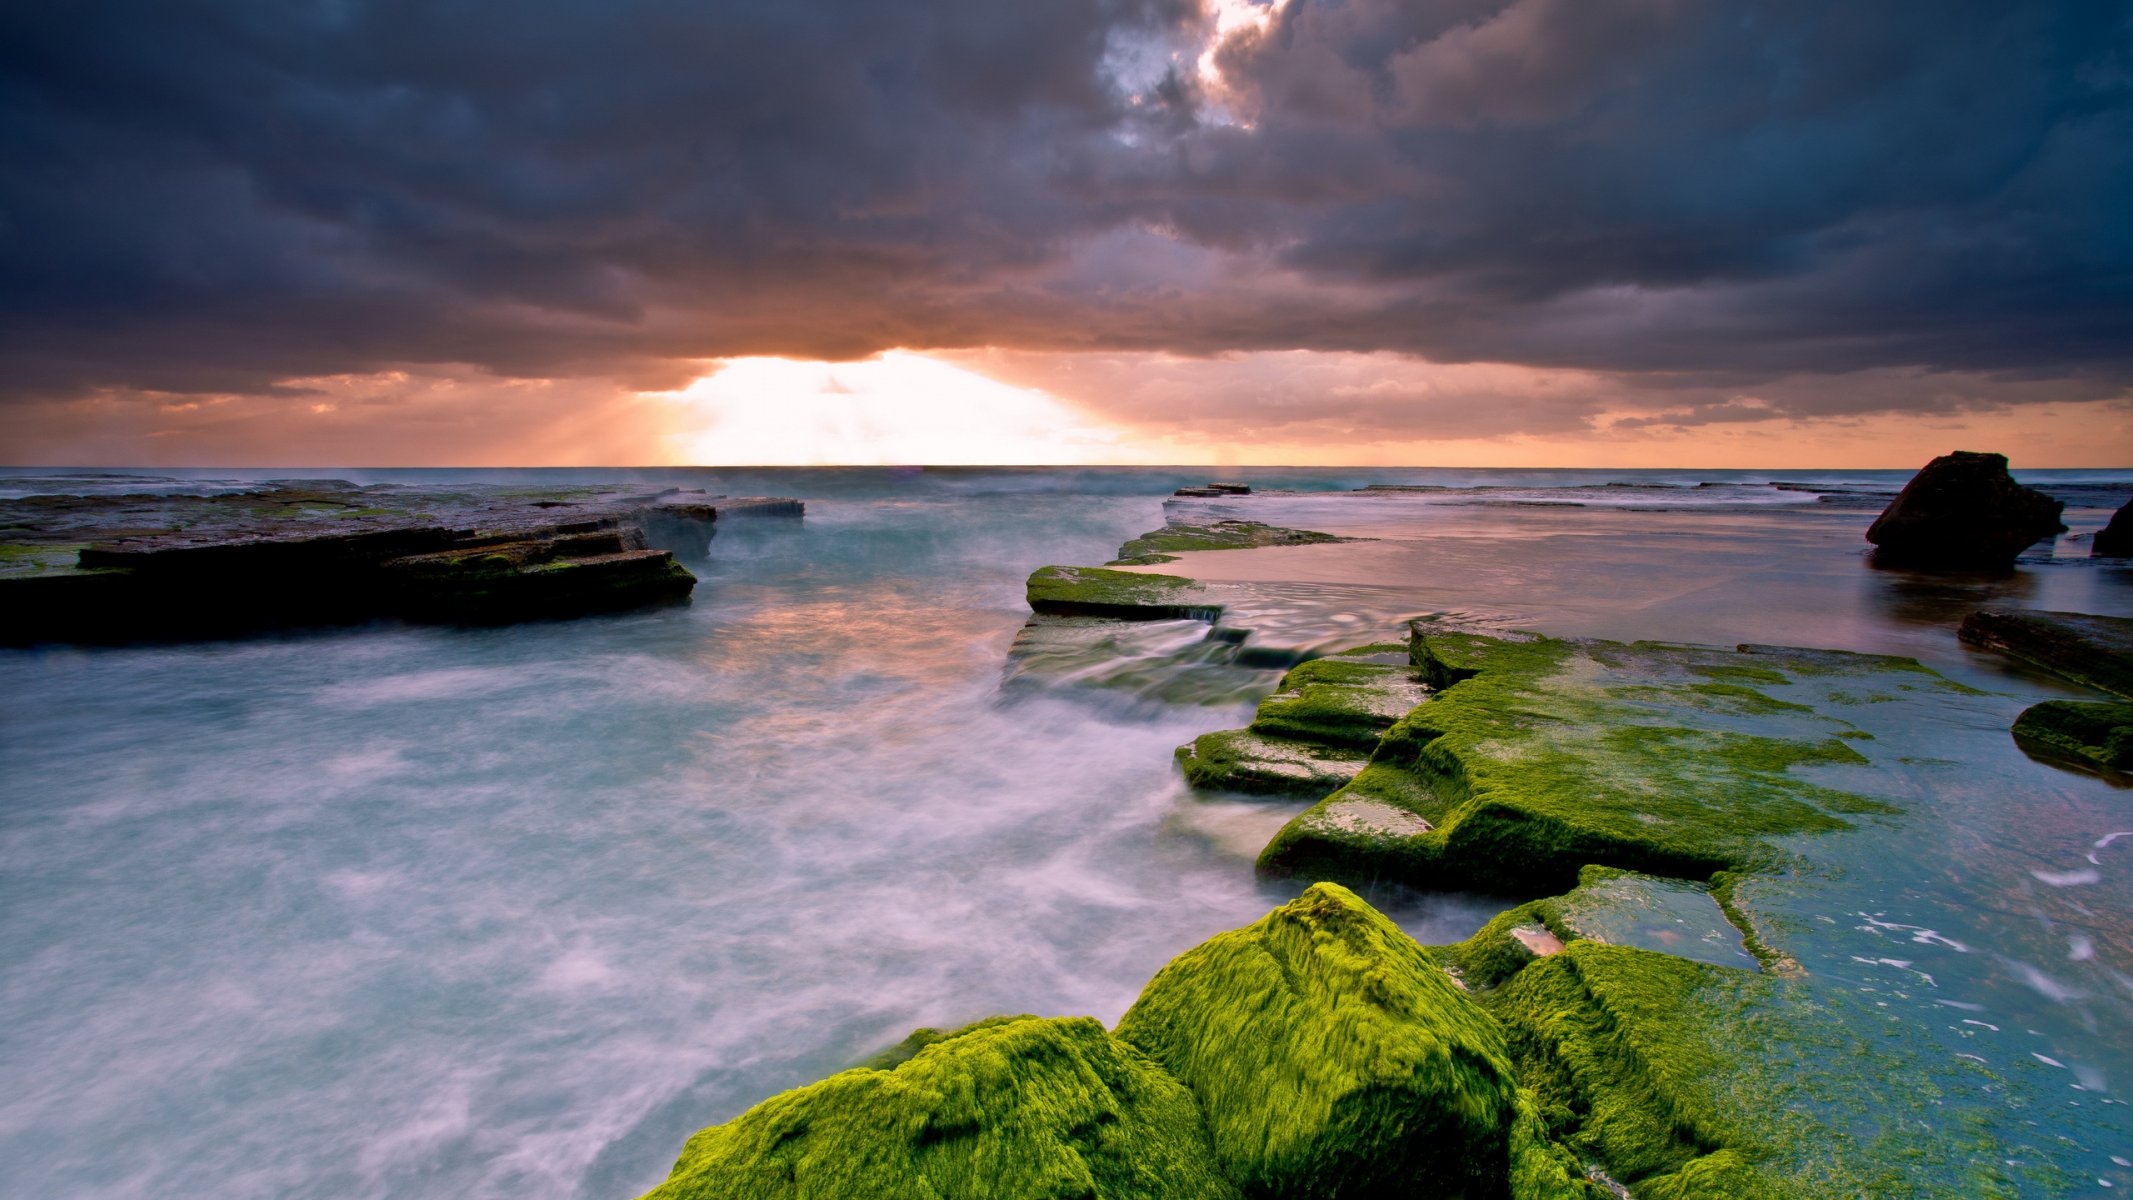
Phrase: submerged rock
(1963, 510)
(1333, 1058)
(289, 554)
(1047, 1109)
(2101, 734)
(2115, 540)
(2087, 649)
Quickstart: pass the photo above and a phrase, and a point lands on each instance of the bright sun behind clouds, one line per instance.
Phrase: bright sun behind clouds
(895, 409)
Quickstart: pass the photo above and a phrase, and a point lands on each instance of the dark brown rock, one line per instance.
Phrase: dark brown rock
(130, 568)
(2088, 649)
(2115, 540)
(1963, 511)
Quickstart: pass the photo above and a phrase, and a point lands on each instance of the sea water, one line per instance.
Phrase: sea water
(414, 912)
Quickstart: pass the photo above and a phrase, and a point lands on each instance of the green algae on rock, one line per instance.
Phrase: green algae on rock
(1540, 755)
(1121, 595)
(1165, 544)
(2085, 648)
(1049, 1109)
(2098, 733)
(1319, 1054)
(1333, 1057)
(1314, 733)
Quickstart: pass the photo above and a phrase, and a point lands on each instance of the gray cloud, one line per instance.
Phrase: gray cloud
(206, 195)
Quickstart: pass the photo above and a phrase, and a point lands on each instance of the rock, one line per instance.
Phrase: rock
(1314, 733)
(2115, 540)
(1319, 1053)
(1232, 489)
(1963, 510)
(1199, 493)
(2098, 733)
(1333, 1057)
(1165, 544)
(1048, 1109)
(1628, 1051)
(1239, 760)
(2092, 650)
(1537, 756)
(299, 553)
(1121, 595)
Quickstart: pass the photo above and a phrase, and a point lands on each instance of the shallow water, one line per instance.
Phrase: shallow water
(407, 912)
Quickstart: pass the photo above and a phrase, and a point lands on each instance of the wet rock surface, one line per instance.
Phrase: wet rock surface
(1536, 756)
(2096, 734)
(2087, 649)
(1165, 544)
(1963, 511)
(293, 554)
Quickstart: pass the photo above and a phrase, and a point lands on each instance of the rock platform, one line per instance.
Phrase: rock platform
(294, 554)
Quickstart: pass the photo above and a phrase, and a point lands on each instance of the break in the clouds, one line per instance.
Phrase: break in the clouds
(221, 197)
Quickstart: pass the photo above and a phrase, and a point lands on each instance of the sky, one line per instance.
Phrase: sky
(1374, 232)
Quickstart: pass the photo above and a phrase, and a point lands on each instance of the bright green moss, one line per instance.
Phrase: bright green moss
(2097, 733)
(1312, 735)
(1596, 1031)
(22, 560)
(1238, 760)
(1338, 702)
(1127, 595)
(1333, 1057)
(1687, 1080)
(1540, 1168)
(1043, 1109)
(926, 1035)
(1538, 756)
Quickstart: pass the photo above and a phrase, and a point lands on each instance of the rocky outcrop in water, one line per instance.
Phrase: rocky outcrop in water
(1963, 511)
(2099, 734)
(2082, 647)
(1179, 537)
(2115, 539)
(298, 554)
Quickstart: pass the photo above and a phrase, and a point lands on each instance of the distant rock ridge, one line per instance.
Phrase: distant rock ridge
(296, 554)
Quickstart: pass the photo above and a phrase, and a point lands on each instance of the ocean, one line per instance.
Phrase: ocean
(422, 912)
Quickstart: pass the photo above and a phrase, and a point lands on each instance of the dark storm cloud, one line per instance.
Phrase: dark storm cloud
(214, 196)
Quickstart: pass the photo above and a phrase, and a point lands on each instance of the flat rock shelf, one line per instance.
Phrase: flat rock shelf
(292, 554)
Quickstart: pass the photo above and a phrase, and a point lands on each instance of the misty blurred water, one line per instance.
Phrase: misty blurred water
(426, 912)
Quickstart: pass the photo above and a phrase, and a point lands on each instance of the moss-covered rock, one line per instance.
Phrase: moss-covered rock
(1052, 1109)
(1240, 760)
(1165, 544)
(1333, 1057)
(1601, 1033)
(1314, 733)
(1540, 755)
(1336, 701)
(1122, 595)
(2099, 733)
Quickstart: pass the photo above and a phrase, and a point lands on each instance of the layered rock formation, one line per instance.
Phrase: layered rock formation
(1963, 511)
(2083, 648)
(289, 555)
